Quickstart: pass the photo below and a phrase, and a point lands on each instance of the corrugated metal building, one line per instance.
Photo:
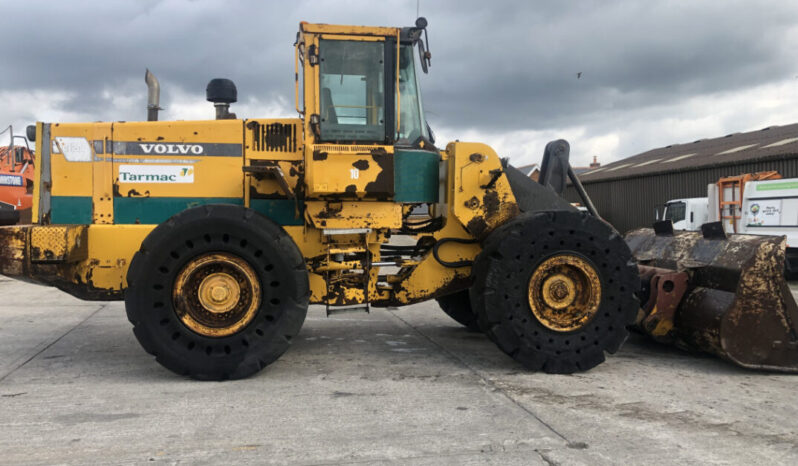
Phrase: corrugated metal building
(626, 192)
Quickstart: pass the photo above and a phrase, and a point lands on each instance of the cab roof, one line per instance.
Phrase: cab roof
(320, 28)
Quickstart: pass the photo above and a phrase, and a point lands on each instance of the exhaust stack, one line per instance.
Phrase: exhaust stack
(153, 96)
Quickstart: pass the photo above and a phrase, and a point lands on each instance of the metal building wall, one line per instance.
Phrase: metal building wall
(629, 203)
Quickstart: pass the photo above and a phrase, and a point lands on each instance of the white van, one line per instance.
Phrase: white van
(768, 208)
(686, 214)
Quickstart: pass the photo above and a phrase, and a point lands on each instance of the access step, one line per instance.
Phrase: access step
(332, 310)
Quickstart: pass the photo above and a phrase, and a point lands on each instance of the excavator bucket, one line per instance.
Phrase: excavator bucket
(717, 293)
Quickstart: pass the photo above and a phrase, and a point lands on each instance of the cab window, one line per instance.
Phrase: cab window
(675, 211)
(352, 91)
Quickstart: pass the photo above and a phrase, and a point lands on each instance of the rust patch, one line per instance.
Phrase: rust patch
(657, 315)
(361, 164)
(477, 226)
(351, 189)
(382, 186)
(491, 202)
(319, 155)
(332, 210)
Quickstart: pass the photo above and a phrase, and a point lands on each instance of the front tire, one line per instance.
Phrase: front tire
(555, 290)
(217, 292)
(458, 307)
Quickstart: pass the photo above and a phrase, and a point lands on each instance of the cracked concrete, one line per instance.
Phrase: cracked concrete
(394, 386)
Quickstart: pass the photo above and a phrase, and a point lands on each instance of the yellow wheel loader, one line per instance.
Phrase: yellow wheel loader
(218, 234)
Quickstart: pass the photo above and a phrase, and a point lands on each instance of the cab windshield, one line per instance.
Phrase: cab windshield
(411, 114)
(357, 98)
(675, 211)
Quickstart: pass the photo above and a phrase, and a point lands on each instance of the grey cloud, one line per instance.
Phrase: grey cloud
(497, 66)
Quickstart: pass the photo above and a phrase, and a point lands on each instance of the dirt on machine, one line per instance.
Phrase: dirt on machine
(219, 234)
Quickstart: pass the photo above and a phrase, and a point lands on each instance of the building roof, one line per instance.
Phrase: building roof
(528, 169)
(774, 142)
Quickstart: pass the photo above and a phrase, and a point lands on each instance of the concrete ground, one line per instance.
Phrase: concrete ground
(407, 386)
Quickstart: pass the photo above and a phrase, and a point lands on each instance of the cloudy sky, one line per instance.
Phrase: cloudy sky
(504, 73)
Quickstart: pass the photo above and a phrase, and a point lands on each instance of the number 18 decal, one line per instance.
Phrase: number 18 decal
(354, 173)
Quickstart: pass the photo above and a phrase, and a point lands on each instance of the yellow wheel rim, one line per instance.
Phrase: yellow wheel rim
(216, 295)
(564, 292)
(219, 292)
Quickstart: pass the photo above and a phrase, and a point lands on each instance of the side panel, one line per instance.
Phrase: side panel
(161, 168)
(344, 214)
(481, 196)
(350, 172)
(102, 174)
(72, 171)
(416, 176)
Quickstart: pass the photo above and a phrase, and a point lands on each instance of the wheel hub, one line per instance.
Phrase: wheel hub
(216, 294)
(219, 292)
(564, 292)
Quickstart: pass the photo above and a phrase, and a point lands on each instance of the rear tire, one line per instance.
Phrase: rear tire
(217, 292)
(458, 307)
(602, 283)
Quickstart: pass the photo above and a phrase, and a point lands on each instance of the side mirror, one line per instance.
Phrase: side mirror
(30, 132)
(424, 55)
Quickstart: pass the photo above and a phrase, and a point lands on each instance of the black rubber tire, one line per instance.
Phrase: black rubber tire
(217, 228)
(502, 271)
(458, 307)
(9, 216)
(791, 264)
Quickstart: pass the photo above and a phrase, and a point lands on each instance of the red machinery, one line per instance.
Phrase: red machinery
(16, 182)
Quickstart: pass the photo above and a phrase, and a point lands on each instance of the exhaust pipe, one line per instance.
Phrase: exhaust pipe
(153, 96)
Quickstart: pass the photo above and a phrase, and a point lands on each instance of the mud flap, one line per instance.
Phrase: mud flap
(727, 297)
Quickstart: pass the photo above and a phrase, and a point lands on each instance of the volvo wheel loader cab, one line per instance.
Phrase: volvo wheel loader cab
(218, 234)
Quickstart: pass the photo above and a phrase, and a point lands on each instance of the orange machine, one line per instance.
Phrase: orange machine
(730, 195)
(16, 184)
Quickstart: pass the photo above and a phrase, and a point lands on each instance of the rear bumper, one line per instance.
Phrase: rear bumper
(53, 255)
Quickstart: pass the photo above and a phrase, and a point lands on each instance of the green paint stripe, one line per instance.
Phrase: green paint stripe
(416, 176)
(155, 210)
(70, 210)
(282, 211)
(776, 186)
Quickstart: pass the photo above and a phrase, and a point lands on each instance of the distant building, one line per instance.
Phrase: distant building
(531, 170)
(626, 192)
(594, 164)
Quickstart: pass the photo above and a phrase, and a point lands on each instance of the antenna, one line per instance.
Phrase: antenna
(418, 2)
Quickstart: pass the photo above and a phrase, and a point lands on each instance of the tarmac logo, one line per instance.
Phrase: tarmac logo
(172, 149)
(156, 174)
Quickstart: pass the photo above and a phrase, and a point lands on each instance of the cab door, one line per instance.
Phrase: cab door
(354, 113)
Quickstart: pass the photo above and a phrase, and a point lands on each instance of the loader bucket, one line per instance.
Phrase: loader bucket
(724, 295)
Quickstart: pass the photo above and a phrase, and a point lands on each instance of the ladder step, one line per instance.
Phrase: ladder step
(331, 310)
(345, 231)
